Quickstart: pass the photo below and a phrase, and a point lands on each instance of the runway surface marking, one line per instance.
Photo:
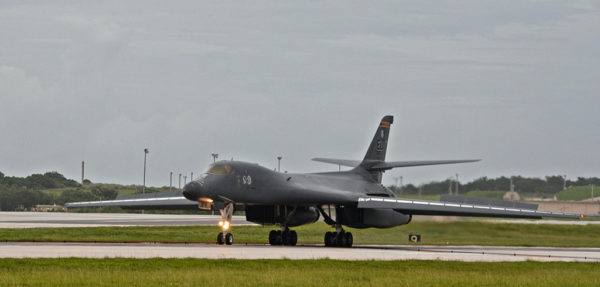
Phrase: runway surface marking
(254, 251)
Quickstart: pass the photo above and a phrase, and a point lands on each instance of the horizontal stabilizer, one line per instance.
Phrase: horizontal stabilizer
(344, 162)
(394, 164)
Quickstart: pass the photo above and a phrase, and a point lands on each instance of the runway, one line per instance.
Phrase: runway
(250, 251)
(64, 219)
(67, 219)
(365, 252)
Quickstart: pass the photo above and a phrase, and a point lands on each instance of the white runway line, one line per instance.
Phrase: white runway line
(213, 251)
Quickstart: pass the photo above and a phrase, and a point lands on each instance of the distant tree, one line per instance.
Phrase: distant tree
(437, 187)
(13, 197)
(72, 195)
(555, 181)
(104, 193)
(1, 176)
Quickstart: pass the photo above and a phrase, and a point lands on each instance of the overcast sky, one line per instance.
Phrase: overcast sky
(515, 83)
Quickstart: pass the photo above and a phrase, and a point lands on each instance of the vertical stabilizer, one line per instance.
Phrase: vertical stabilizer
(378, 147)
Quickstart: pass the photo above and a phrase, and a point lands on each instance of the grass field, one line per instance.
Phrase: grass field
(440, 233)
(578, 193)
(206, 272)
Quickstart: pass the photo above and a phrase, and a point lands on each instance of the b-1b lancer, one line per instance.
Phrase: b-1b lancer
(354, 198)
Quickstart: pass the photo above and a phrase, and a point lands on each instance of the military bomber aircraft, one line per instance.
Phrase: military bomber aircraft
(354, 198)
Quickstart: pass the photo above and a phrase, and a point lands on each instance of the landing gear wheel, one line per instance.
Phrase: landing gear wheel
(226, 213)
(349, 239)
(229, 239)
(220, 239)
(292, 238)
(340, 239)
(273, 237)
(279, 238)
(284, 236)
(329, 239)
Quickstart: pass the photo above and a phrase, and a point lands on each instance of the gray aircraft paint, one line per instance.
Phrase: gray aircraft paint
(357, 195)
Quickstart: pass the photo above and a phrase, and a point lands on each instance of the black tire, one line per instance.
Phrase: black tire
(220, 239)
(328, 239)
(273, 237)
(229, 239)
(349, 239)
(284, 237)
(292, 238)
(340, 239)
(279, 239)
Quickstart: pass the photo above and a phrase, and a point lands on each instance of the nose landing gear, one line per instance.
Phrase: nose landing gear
(225, 237)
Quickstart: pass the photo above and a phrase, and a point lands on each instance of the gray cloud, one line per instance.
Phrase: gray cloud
(512, 83)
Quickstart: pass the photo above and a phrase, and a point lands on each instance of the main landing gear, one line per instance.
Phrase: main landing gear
(225, 237)
(285, 236)
(340, 238)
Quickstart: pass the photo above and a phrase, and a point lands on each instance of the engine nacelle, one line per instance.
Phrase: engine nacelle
(290, 216)
(365, 218)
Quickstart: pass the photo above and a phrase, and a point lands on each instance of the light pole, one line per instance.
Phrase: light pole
(565, 182)
(457, 184)
(144, 183)
(401, 185)
(215, 156)
(180, 181)
(279, 163)
(171, 181)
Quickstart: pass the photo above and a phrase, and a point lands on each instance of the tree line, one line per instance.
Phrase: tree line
(20, 193)
(547, 186)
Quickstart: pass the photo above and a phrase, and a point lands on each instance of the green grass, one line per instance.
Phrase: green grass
(441, 233)
(56, 192)
(207, 272)
(578, 193)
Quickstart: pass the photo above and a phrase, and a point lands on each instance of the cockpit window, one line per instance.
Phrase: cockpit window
(220, 169)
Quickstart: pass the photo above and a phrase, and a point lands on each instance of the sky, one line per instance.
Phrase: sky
(514, 83)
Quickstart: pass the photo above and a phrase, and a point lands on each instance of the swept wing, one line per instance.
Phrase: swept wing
(157, 200)
(426, 207)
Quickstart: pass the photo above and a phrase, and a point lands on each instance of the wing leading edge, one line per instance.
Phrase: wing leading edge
(159, 200)
(425, 207)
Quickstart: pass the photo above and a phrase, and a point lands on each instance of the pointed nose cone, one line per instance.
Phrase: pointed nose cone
(193, 190)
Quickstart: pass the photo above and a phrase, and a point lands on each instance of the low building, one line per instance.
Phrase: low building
(48, 208)
(585, 207)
